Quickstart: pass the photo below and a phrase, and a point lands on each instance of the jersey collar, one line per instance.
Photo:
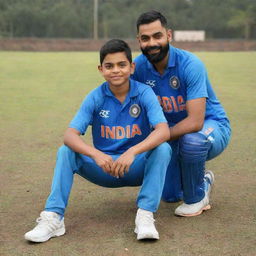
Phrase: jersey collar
(132, 93)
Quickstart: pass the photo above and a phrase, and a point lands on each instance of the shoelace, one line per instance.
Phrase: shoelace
(47, 222)
(146, 219)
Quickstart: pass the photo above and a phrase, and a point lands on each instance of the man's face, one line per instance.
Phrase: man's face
(154, 41)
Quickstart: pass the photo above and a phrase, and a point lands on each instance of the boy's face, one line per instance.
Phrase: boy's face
(116, 69)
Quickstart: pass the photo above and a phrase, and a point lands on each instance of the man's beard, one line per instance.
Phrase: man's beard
(156, 57)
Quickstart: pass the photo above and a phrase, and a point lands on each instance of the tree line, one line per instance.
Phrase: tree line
(117, 18)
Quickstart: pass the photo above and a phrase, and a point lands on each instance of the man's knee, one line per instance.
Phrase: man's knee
(193, 147)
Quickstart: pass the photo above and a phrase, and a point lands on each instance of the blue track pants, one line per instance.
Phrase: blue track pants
(148, 171)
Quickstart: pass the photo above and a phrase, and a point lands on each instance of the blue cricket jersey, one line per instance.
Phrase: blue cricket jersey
(118, 126)
(185, 78)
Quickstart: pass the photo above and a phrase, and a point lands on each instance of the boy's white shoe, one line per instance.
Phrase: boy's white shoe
(188, 210)
(144, 225)
(49, 225)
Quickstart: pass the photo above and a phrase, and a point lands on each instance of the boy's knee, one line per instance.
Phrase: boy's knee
(193, 146)
(65, 150)
(164, 150)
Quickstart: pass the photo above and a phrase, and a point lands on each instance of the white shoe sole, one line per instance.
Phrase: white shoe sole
(56, 233)
(207, 207)
(153, 236)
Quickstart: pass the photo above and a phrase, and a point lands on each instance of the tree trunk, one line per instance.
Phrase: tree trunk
(247, 30)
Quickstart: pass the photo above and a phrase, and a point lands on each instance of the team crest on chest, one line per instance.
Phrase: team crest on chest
(134, 110)
(174, 82)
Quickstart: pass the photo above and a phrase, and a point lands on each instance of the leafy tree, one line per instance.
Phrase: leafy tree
(244, 17)
(117, 18)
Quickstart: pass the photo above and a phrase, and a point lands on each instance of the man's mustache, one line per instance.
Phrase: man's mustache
(151, 48)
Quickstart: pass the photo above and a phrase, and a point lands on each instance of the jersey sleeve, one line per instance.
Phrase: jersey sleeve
(154, 111)
(196, 77)
(84, 115)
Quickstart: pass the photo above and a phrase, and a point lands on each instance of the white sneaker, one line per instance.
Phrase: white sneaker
(188, 210)
(49, 225)
(144, 225)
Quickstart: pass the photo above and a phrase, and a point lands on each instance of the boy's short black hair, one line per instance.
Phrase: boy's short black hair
(151, 16)
(113, 46)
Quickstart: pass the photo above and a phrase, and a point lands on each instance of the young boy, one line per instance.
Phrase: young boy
(126, 151)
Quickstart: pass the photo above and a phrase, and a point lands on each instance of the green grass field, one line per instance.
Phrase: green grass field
(40, 93)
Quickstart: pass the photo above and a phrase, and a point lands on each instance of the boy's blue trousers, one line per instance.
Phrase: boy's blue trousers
(148, 171)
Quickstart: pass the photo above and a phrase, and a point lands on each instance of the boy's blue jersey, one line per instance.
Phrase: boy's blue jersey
(118, 126)
(185, 78)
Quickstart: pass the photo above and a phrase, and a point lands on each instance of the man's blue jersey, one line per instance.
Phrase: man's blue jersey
(118, 126)
(185, 78)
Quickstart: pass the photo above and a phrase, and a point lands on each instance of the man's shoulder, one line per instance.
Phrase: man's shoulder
(185, 56)
(140, 60)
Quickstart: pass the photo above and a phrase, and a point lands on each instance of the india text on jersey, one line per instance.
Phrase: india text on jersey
(172, 104)
(119, 132)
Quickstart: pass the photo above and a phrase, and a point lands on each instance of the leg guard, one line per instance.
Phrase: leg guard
(193, 151)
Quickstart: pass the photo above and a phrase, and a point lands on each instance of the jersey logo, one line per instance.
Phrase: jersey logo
(134, 110)
(174, 82)
(104, 113)
(151, 83)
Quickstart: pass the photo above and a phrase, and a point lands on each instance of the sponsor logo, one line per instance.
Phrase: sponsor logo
(174, 82)
(134, 110)
(151, 83)
(104, 113)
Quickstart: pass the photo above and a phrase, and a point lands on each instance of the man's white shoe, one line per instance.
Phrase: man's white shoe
(49, 225)
(144, 225)
(188, 210)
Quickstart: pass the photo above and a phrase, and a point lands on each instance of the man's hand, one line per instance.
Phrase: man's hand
(123, 163)
(103, 160)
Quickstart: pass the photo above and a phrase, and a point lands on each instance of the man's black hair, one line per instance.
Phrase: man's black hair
(151, 16)
(114, 46)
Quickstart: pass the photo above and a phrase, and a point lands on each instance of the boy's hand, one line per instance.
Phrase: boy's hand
(123, 163)
(103, 160)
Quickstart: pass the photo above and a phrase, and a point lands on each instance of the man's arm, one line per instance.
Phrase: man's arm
(159, 135)
(73, 140)
(193, 122)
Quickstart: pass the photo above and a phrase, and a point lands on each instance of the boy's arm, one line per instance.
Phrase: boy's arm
(160, 134)
(73, 140)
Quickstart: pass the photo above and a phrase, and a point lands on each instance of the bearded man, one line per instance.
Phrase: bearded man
(199, 127)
